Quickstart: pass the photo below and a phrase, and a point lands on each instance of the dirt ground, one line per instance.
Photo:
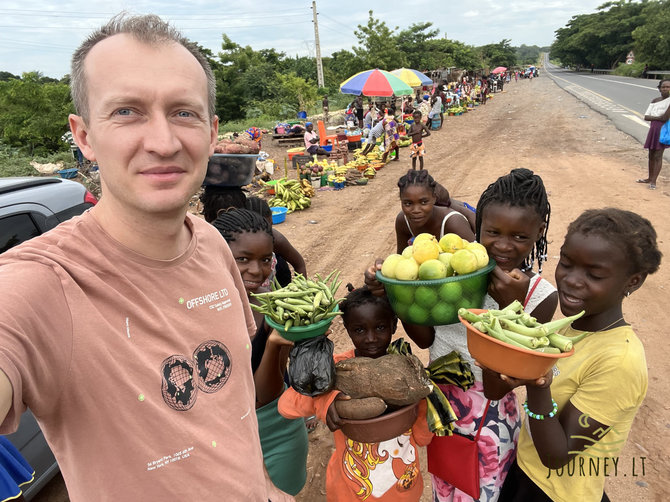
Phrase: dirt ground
(584, 161)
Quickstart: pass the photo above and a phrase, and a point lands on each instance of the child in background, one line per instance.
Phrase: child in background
(390, 138)
(420, 214)
(283, 441)
(512, 223)
(386, 471)
(14, 472)
(284, 252)
(215, 199)
(417, 132)
(588, 408)
(375, 133)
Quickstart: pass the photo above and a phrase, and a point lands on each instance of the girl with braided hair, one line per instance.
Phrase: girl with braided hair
(284, 252)
(420, 213)
(511, 222)
(378, 471)
(284, 442)
(582, 410)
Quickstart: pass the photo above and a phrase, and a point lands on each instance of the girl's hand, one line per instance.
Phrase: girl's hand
(333, 420)
(276, 339)
(375, 287)
(541, 383)
(510, 383)
(505, 287)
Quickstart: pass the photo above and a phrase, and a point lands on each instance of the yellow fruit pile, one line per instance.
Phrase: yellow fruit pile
(429, 259)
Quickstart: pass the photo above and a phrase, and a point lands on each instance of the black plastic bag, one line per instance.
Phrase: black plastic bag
(311, 369)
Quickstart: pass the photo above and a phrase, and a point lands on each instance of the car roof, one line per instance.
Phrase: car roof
(19, 183)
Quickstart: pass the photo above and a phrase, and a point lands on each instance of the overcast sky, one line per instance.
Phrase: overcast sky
(41, 36)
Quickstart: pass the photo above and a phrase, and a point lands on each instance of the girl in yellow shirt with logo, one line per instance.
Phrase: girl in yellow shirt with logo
(579, 414)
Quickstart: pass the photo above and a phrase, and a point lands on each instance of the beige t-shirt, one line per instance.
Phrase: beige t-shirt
(137, 370)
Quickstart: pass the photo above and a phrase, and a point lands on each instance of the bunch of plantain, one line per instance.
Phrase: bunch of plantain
(307, 188)
(290, 194)
(515, 327)
(303, 302)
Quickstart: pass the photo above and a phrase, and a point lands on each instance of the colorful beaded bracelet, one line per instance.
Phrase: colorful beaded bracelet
(537, 416)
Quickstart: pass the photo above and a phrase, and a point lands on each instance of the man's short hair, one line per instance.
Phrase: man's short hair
(149, 29)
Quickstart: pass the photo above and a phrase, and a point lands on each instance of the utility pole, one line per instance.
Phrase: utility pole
(319, 64)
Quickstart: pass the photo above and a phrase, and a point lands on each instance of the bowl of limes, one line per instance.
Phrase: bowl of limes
(431, 280)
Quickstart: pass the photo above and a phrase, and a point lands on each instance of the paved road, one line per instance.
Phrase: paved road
(622, 99)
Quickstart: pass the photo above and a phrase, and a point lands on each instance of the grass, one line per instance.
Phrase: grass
(13, 163)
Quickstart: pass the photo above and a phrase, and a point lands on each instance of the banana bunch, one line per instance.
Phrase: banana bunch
(341, 170)
(307, 188)
(290, 194)
(370, 171)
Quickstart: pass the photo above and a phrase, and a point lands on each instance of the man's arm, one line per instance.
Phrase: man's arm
(5, 396)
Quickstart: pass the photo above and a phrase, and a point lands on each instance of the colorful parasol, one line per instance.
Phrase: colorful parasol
(375, 83)
(413, 78)
(499, 69)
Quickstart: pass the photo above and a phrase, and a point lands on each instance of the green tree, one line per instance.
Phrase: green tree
(652, 39)
(416, 44)
(378, 46)
(602, 38)
(500, 54)
(5, 75)
(33, 114)
(529, 54)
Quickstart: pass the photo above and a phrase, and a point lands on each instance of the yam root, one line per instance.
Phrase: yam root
(397, 379)
(360, 409)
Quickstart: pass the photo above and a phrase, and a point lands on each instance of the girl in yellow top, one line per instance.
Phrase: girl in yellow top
(579, 414)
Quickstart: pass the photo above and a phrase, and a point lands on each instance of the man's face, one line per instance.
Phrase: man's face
(148, 126)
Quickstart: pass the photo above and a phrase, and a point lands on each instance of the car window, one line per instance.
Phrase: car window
(16, 229)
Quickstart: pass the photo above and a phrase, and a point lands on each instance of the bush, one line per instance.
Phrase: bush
(14, 163)
(629, 70)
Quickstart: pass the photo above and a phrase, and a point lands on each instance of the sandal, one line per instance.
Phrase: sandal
(652, 186)
(642, 181)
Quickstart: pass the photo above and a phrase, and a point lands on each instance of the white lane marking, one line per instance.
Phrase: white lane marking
(620, 82)
(605, 105)
(638, 120)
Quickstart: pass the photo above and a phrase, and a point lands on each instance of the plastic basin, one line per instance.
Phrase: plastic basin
(297, 333)
(278, 215)
(68, 173)
(436, 302)
(328, 148)
(508, 359)
(381, 428)
(272, 183)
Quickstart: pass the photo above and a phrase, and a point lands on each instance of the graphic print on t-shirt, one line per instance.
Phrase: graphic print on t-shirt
(178, 386)
(213, 363)
(208, 371)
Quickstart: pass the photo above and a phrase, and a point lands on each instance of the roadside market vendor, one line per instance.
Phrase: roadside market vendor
(312, 141)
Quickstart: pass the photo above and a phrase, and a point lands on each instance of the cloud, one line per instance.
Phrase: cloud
(42, 35)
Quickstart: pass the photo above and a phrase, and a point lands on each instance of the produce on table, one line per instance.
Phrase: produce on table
(291, 194)
(397, 379)
(302, 303)
(513, 326)
(237, 145)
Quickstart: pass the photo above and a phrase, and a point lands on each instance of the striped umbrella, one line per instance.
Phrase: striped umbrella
(375, 83)
(413, 78)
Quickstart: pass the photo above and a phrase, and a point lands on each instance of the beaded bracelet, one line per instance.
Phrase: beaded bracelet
(537, 416)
